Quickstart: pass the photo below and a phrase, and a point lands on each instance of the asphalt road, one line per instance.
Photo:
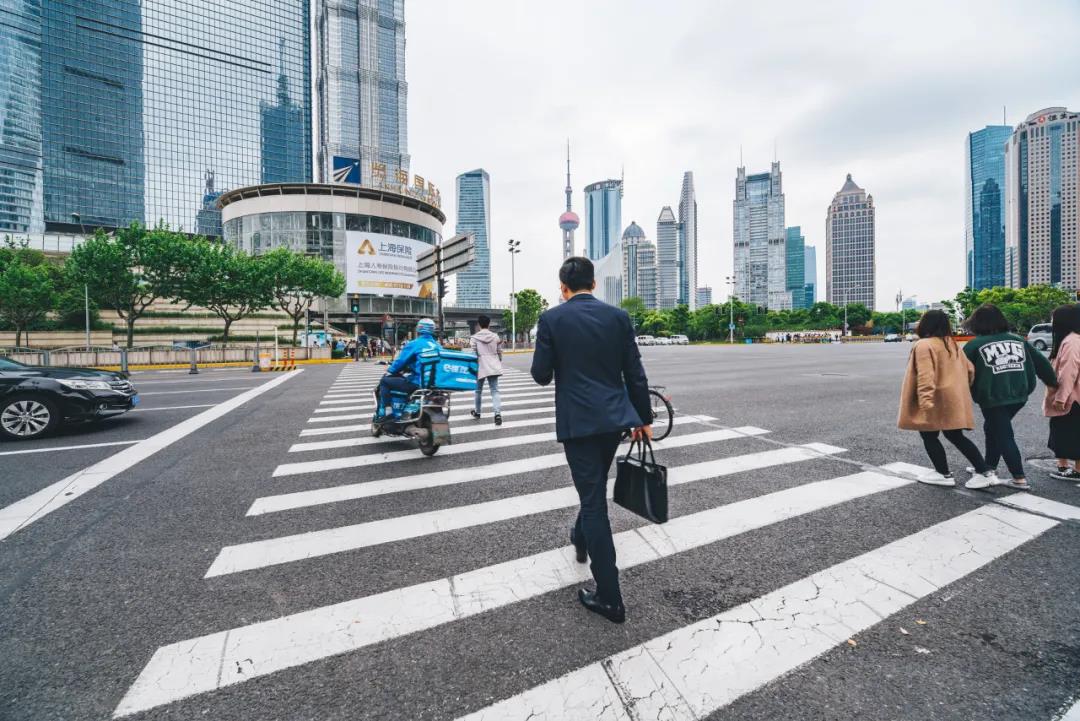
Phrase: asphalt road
(276, 563)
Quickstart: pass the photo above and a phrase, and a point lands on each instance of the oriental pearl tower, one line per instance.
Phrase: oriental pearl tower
(569, 220)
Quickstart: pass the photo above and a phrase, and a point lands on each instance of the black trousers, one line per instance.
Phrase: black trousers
(1000, 442)
(590, 460)
(393, 383)
(936, 451)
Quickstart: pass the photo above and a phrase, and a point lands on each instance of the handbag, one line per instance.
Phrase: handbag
(641, 483)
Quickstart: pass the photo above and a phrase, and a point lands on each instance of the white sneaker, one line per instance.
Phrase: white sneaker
(978, 481)
(933, 478)
(997, 481)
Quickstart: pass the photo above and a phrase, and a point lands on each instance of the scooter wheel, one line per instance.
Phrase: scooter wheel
(429, 449)
(376, 429)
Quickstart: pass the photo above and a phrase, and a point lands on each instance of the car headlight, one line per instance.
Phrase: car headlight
(81, 385)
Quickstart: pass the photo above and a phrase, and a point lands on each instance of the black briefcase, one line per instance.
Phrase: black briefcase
(641, 483)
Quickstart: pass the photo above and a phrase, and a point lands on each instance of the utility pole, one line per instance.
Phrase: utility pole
(730, 280)
(86, 286)
(514, 248)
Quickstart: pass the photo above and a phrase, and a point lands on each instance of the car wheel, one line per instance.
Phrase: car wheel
(23, 418)
(1039, 345)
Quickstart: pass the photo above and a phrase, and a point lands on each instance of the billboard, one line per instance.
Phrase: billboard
(346, 170)
(378, 264)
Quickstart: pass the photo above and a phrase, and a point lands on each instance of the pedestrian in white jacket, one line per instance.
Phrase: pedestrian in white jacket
(488, 349)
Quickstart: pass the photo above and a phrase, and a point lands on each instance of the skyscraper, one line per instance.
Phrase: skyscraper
(362, 93)
(704, 296)
(795, 269)
(138, 100)
(603, 217)
(760, 240)
(568, 221)
(850, 270)
(667, 259)
(20, 116)
(984, 201)
(688, 241)
(639, 266)
(810, 283)
(474, 216)
(1042, 230)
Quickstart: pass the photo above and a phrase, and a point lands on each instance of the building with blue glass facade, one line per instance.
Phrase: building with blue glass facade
(760, 239)
(361, 89)
(139, 100)
(474, 216)
(1042, 182)
(795, 245)
(603, 217)
(20, 116)
(984, 201)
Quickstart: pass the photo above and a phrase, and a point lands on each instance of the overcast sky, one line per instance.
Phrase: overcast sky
(884, 91)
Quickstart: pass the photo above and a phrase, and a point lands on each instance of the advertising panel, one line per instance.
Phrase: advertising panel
(380, 264)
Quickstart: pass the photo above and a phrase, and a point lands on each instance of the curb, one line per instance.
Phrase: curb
(223, 364)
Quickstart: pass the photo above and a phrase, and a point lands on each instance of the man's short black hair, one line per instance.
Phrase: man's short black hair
(483, 321)
(577, 274)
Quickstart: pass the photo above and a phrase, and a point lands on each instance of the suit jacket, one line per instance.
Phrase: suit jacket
(588, 348)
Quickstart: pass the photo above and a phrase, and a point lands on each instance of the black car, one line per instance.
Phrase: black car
(35, 400)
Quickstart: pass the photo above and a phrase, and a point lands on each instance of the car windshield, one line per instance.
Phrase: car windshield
(8, 364)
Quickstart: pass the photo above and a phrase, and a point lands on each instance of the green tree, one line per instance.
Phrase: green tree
(27, 294)
(635, 307)
(705, 323)
(654, 323)
(858, 315)
(294, 281)
(530, 305)
(227, 282)
(130, 269)
(678, 319)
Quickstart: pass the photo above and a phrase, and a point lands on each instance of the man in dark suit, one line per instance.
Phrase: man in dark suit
(588, 347)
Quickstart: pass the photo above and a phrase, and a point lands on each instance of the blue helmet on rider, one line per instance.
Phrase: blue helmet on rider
(425, 326)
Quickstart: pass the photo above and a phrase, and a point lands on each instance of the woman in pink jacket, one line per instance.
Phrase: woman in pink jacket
(1062, 404)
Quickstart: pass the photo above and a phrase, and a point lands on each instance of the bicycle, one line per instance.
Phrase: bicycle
(662, 411)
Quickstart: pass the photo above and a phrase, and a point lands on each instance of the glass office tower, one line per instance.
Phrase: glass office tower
(362, 93)
(143, 101)
(984, 216)
(474, 216)
(760, 239)
(810, 287)
(603, 217)
(20, 116)
(796, 266)
(667, 258)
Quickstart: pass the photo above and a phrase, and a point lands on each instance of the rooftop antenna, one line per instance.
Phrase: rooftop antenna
(775, 155)
(740, 155)
(1003, 120)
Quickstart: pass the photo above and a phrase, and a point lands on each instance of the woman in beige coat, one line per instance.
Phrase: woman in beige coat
(936, 397)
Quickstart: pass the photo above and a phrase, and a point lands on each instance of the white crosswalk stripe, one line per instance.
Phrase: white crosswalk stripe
(687, 673)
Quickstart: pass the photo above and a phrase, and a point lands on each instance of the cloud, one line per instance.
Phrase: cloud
(885, 91)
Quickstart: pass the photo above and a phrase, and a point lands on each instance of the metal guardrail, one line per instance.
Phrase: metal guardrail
(157, 354)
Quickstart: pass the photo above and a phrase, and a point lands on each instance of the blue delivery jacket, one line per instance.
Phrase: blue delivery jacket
(410, 355)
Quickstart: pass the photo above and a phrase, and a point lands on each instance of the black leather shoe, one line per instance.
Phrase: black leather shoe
(582, 552)
(615, 614)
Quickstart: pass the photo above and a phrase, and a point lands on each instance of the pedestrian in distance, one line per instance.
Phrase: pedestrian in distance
(488, 349)
(936, 397)
(588, 348)
(1062, 404)
(1005, 369)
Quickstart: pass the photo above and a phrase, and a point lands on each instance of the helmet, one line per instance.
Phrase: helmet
(425, 326)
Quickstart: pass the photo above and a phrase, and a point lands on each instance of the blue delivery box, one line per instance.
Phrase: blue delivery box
(449, 370)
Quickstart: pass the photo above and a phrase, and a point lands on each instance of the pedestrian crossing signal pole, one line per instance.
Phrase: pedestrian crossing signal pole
(514, 249)
(440, 289)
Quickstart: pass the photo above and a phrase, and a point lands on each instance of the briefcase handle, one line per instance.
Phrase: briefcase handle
(645, 446)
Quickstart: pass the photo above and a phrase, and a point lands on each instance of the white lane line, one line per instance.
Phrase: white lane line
(693, 671)
(172, 408)
(68, 448)
(1045, 506)
(487, 403)
(367, 396)
(372, 459)
(455, 421)
(253, 377)
(369, 440)
(34, 507)
(229, 657)
(196, 390)
(284, 549)
(1072, 714)
(353, 390)
(453, 476)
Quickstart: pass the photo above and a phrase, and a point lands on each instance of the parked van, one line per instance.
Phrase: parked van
(680, 340)
(646, 340)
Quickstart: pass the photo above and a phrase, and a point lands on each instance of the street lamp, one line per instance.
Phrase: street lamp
(730, 280)
(514, 247)
(86, 288)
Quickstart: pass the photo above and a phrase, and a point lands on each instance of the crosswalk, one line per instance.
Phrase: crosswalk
(687, 673)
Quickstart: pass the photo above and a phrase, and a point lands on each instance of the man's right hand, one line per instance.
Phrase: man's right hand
(641, 432)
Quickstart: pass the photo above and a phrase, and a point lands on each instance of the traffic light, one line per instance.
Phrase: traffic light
(442, 287)
(355, 305)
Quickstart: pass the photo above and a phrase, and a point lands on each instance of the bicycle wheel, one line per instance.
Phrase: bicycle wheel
(663, 414)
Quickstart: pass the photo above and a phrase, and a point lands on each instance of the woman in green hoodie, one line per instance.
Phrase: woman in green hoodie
(1005, 369)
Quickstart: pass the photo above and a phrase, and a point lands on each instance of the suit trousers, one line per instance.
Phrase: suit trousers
(590, 460)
